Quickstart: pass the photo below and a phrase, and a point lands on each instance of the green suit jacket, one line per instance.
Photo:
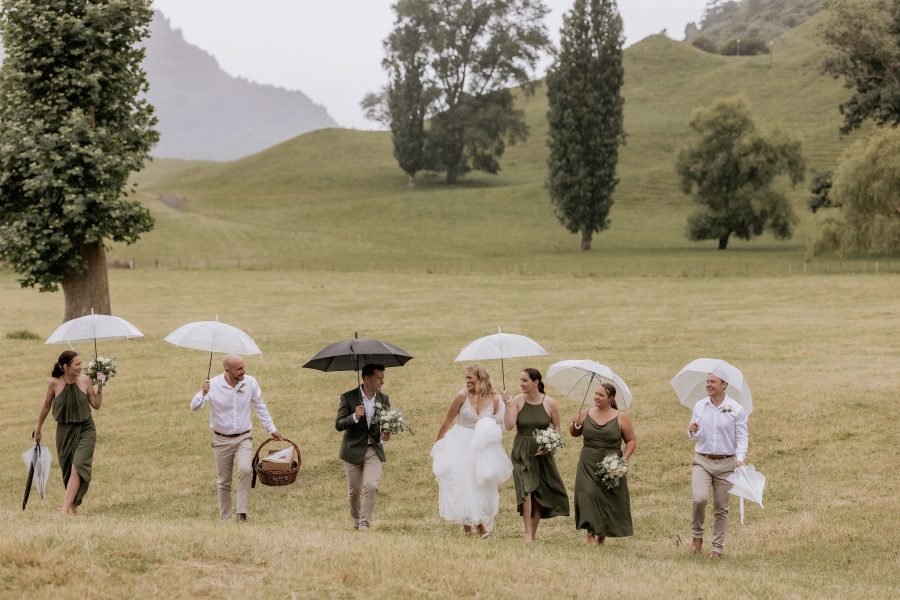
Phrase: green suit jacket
(357, 435)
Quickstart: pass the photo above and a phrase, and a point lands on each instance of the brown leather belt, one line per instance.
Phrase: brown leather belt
(231, 434)
(716, 456)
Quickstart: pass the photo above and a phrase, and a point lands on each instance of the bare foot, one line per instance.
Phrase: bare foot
(591, 539)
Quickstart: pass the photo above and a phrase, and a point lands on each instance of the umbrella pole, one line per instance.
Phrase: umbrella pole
(209, 368)
(94, 325)
(502, 371)
(212, 346)
(586, 392)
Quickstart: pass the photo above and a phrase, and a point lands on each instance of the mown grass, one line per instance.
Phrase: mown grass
(819, 352)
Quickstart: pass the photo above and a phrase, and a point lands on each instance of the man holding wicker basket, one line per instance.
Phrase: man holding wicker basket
(230, 396)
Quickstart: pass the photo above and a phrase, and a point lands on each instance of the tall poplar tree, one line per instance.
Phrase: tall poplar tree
(73, 126)
(584, 92)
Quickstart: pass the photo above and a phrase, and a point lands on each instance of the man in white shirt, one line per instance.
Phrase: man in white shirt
(719, 424)
(230, 396)
(362, 448)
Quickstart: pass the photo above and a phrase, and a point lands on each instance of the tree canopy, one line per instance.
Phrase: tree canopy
(730, 170)
(73, 127)
(586, 117)
(867, 190)
(467, 55)
(865, 37)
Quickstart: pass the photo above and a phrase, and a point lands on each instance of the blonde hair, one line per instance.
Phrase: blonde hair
(484, 388)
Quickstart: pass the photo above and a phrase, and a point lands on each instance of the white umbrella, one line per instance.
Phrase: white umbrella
(747, 483)
(690, 383)
(93, 327)
(213, 336)
(499, 346)
(578, 377)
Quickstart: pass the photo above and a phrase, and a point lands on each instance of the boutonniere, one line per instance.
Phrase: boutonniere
(726, 410)
(240, 388)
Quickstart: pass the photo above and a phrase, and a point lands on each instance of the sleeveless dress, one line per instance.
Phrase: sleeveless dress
(599, 510)
(75, 436)
(469, 463)
(536, 475)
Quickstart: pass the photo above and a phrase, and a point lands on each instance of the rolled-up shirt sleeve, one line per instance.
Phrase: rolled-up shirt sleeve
(742, 436)
(259, 407)
(199, 400)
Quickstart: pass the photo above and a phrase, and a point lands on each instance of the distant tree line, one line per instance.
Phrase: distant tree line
(725, 20)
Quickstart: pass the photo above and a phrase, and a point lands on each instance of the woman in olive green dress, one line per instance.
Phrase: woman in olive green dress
(602, 512)
(540, 492)
(70, 396)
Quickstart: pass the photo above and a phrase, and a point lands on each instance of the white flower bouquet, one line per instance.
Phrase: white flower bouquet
(391, 420)
(107, 366)
(549, 440)
(611, 470)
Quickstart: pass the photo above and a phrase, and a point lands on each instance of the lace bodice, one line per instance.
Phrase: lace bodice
(468, 417)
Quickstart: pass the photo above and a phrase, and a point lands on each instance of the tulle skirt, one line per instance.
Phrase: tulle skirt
(469, 465)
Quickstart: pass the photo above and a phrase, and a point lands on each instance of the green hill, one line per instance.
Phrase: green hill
(335, 199)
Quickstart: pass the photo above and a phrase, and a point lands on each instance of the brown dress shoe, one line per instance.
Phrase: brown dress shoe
(242, 517)
(696, 545)
(715, 555)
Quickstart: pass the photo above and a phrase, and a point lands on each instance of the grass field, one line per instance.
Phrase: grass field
(819, 351)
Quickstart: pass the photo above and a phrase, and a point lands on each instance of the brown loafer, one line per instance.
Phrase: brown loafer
(242, 517)
(715, 555)
(697, 545)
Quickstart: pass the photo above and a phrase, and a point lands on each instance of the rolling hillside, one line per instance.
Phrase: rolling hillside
(335, 199)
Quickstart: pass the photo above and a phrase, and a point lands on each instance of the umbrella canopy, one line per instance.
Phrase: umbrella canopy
(747, 483)
(690, 383)
(499, 346)
(355, 353)
(213, 336)
(578, 377)
(93, 327)
(37, 459)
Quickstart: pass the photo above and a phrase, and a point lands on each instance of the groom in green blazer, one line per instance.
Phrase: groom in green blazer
(362, 449)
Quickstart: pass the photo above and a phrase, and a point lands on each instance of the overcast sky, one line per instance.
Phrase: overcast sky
(331, 49)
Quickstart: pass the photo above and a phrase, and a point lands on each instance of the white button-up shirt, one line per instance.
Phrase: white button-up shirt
(723, 429)
(368, 404)
(229, 407)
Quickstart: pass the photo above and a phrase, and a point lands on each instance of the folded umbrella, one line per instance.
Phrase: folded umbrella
(747, 483)
(37, 459)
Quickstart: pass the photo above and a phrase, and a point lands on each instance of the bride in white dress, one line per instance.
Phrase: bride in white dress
(469, 460)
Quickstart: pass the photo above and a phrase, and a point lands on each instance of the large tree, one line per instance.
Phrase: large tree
(585, 117)
(474, 51)
(867, 193)
(73, 126)
(730, 170)
(865, 37)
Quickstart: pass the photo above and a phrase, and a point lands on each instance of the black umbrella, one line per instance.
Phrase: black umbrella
(35, 457)
(355, 353)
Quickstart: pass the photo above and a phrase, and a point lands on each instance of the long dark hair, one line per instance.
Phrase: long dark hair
(535, 375)
(66, 359)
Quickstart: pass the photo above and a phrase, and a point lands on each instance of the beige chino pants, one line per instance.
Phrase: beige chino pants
(362, 488)
(227, 453)
(709, 472)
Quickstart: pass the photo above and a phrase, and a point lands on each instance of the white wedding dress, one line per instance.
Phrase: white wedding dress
(469, 463)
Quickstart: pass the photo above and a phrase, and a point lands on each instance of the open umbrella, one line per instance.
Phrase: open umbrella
(37, 459)
(93, 327)
(213, 336)
(577, 377)
(499, 346)
(690, 383)
(353, 354)
(747, 483)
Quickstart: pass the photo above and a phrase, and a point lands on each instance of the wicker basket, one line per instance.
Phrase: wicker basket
(275, 477)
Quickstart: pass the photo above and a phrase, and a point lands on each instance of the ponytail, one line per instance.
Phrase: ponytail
(65, 359)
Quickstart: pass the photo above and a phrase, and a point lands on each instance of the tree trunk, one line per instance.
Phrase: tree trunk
(90, 289)
(586, 237)
(723, 241)
(452, 176)
(411, 180)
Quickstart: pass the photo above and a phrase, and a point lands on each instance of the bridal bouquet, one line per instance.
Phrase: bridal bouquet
(391, 420)
(611, 470)
(549, 440)
(107, 366)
